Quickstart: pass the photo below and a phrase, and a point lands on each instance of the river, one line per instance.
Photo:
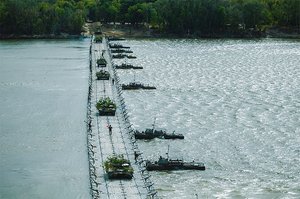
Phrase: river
(237, 102)
(43, 96)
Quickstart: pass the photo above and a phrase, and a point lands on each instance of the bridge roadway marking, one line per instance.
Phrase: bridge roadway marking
(102, 145)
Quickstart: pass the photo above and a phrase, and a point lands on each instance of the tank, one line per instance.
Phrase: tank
(136, 86)
(106, 107)
(128, 66)
(149, 134)
(173, 164)
(117, 167)
(102, 75)
(101, 62)
(98, 39)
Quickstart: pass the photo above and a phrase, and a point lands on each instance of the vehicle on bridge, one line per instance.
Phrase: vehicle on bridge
(101, 62)
(98, 39)
(117, 167)
(106, 107)
(102, 75)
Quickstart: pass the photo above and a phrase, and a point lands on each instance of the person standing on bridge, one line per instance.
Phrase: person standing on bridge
(109, 129)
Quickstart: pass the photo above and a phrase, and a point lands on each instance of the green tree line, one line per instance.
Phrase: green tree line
(172, 16)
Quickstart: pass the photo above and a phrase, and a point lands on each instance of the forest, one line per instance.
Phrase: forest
(33, 17)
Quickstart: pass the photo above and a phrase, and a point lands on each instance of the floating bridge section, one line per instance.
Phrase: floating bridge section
(102, 145)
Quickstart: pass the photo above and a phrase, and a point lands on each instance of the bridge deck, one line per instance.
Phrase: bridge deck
(102, 144)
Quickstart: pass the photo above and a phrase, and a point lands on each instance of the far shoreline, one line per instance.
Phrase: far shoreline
(128, 31)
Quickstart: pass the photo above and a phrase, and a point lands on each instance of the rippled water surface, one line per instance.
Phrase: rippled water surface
(237, 102)
(43, 92)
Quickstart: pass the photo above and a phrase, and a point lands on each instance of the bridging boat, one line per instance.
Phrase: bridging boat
(167, 164)
(118, 50)
(127, 66)
(119, 56)
(131, 57)
(117, 46)
(110, 38)
(149, 134)
(136, 86)
(173, 164)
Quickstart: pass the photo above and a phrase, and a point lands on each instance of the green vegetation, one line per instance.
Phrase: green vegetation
(41, 17)
(198, 17)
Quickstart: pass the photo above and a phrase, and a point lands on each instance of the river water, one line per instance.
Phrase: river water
(43, 96)
(237, 102)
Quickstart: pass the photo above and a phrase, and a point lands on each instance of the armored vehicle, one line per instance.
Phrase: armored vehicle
(106, 107)
(117, 167)
(101, 62)
(98, 39)
(102, 75)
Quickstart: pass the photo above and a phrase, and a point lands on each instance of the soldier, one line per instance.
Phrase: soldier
(110, 129)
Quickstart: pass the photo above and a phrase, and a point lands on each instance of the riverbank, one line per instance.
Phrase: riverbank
(141, 31)
(128, 31)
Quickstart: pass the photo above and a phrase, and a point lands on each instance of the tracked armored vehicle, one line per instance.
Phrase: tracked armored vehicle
(117, 167)
(101, 62)
(102, 75)
(106, 107)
